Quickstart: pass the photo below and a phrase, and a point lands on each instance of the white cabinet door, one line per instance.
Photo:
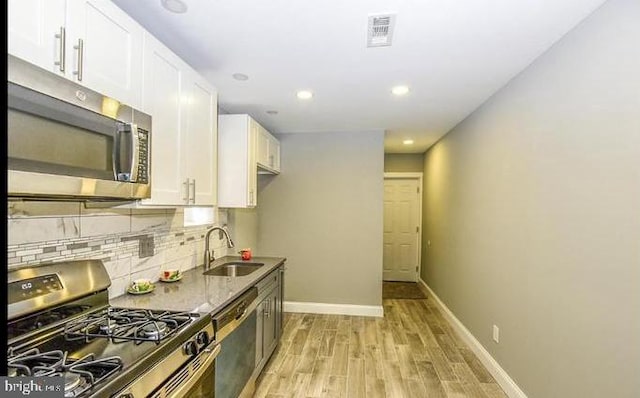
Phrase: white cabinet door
(201, 141)
(268, 152)
(274, 154)
(35, 32)
(184, 146)
(163, 99)
(263, 147)
(254, 131)
(104, 45)
(93, 43)
(245, 149)
(237, 167)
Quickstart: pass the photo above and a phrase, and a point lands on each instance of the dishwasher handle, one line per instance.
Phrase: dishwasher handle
(229, 319)
(236, 311)
(241, 310)
(235, 323)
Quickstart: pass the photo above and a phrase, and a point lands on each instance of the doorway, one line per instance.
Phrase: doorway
(402, 226)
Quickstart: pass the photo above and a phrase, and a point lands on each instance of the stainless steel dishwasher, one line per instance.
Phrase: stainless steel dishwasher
(235, 331)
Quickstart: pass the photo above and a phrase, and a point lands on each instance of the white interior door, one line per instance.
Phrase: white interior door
(401, 229)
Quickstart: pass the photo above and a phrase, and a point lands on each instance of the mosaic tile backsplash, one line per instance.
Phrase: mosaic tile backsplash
(46, 232)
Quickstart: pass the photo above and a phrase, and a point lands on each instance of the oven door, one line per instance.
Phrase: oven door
(195, 380)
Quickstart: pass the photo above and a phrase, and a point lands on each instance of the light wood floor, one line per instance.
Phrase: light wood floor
(411, 352)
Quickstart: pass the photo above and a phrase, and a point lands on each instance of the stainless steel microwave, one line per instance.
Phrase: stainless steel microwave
(66, 141)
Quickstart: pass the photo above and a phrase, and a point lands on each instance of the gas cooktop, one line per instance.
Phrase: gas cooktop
(98, 349)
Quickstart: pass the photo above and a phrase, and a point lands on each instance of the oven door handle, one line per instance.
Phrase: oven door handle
(211, 352)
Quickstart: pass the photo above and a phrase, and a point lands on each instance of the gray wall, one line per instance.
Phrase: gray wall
(403, 162)
(324, 213)
(532, 207)
(243, 227)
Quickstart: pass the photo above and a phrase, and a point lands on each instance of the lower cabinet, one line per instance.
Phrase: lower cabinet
(269, 322)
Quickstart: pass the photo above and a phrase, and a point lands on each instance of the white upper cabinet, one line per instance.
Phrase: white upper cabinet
(262, 156)
(274, 154)
(93, 43)
(36, 32)
(268, 152)
(201, 141)
(162, 98)
(99, 46)
(106, 49)
(184, 132)
(246, 149)
(237, 161)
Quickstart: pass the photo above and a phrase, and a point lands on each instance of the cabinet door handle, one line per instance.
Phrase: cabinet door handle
(270, 160)
(185, 191)
(192, 194)
(80, 48)
(267, 311)
(62, 36)
(251, 197)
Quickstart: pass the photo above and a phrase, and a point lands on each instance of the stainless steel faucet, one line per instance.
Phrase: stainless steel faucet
(208, 255)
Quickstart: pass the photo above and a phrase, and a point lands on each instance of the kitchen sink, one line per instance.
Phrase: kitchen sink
(236, 268)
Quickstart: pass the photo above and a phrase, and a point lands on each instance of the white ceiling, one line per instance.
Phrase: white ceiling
(452, 54)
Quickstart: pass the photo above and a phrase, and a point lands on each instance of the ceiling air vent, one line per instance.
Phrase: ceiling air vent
(380, 30)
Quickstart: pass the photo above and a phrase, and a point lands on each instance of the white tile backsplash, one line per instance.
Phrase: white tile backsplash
(45, 232)
(153, 262)
(29, 252)
(17, 209)
(150, 222)
(118, 267)
(96, 225)
(119, 286)
(38, 229)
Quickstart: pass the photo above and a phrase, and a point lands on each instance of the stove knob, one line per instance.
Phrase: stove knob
(190, 348)
(202, 338)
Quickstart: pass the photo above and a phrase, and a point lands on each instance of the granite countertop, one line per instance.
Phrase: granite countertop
(196, 292)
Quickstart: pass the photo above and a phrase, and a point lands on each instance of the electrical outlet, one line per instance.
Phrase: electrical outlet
(146, 246)
(496, 334)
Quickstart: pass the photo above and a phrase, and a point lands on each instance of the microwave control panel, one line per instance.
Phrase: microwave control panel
(143, 156)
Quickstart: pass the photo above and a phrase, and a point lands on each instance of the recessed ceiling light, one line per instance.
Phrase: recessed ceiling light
(304, 94)
(272, 112)
(240, 76)
(408, 142)
(400, 90)
(177, 6)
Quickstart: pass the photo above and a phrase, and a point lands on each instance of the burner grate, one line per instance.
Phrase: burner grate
(80, 374)
(44, 319)
(122, 324)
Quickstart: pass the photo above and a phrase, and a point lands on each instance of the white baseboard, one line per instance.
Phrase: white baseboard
(325, 308)
(502, 377)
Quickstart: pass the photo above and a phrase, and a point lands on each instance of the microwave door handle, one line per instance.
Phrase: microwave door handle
(133, 144)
